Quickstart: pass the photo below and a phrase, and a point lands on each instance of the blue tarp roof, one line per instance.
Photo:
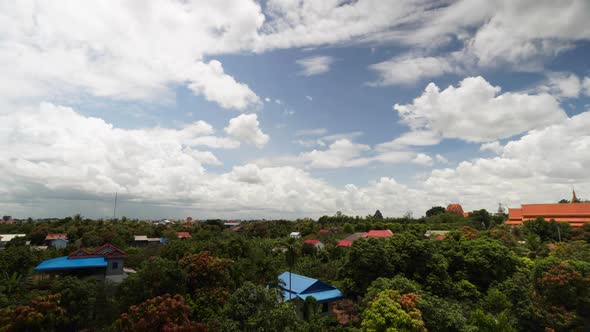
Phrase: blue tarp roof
(303, 287)
(63, 263)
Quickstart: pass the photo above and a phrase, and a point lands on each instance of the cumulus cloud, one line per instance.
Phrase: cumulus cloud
(125, 51)
(475, 111)
(565, 85)
(245, 128)
(315, 65)
(55, 155)
(422, 159)
(57, 149)
(539, 167)
(341, 153)
(494, 147)
(410, 69)
(412, 138)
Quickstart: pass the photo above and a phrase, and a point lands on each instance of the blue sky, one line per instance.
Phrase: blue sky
(290, 109)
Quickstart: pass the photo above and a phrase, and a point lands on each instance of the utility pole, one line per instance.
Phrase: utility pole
(115, 208)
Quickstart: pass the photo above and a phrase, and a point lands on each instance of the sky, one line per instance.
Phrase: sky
(243, 109)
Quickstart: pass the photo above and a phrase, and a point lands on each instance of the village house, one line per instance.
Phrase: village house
(102, 263)
(297, 288)
(5, 238)
(143, 240)
(436, 235)
(295, 235)
(316, 243)
(57, 240)
(374, 233)
(184, 235)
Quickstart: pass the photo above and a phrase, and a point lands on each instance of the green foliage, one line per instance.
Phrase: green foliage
(390, 311)
(481, 219)
(162, 313)
(156, 276)
(435, 210)
(548, 230)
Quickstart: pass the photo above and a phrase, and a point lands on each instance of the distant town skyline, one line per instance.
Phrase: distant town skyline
(277, 109)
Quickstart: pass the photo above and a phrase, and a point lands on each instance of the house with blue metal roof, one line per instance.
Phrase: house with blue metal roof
(102, 263)
(297, 288)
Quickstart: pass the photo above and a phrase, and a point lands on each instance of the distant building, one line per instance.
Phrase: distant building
(230, 224)
(5, 238)
(143, 240)
(324, 231)
(436, 235)
(374, 233)
(456, 209)
(57, 240)
(295, 235)
(316, 243)
(347, 241)
(576, 214)
(184, 235)
(103, 263)
(379, 233)
(297, 288)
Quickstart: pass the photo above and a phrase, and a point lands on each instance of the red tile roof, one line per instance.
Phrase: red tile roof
(379, 233)
(324, 231)
(455, 208)
(106, 250)
(55, 236)
(439, 237)
(184, 235)
(344, 243)
(312, 242)
(577, 214)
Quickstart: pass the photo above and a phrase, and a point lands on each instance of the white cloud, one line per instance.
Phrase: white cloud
(311, 132)
(441, 159)
(494, 147)
(121, 50)
(59, 151)
(422, 159)
(309, 98)
(315, 65)
(245, 128)
(540, 167)
(410, 69)
(315, 23)
(411, 138)
(476, 112)
(341, 153)
(564, 85)
(267, 100)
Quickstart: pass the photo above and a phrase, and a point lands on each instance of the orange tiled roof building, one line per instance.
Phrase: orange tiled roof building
(576, 214)
(456, 209)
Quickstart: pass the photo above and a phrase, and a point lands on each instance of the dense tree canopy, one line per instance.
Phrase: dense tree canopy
(479, 275)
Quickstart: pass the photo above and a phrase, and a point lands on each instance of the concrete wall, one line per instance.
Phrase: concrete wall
(115, 266)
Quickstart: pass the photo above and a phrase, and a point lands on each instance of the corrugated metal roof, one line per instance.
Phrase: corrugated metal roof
(300, 283)
(9, 237)
(379, 233)
(55, 236)
(322, 296)
(63, 263)
(303, 287)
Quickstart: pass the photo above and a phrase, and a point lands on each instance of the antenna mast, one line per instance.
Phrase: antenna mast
(115, 208)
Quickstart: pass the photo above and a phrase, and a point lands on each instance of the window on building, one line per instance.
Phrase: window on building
(324, 307)
(115, 265)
